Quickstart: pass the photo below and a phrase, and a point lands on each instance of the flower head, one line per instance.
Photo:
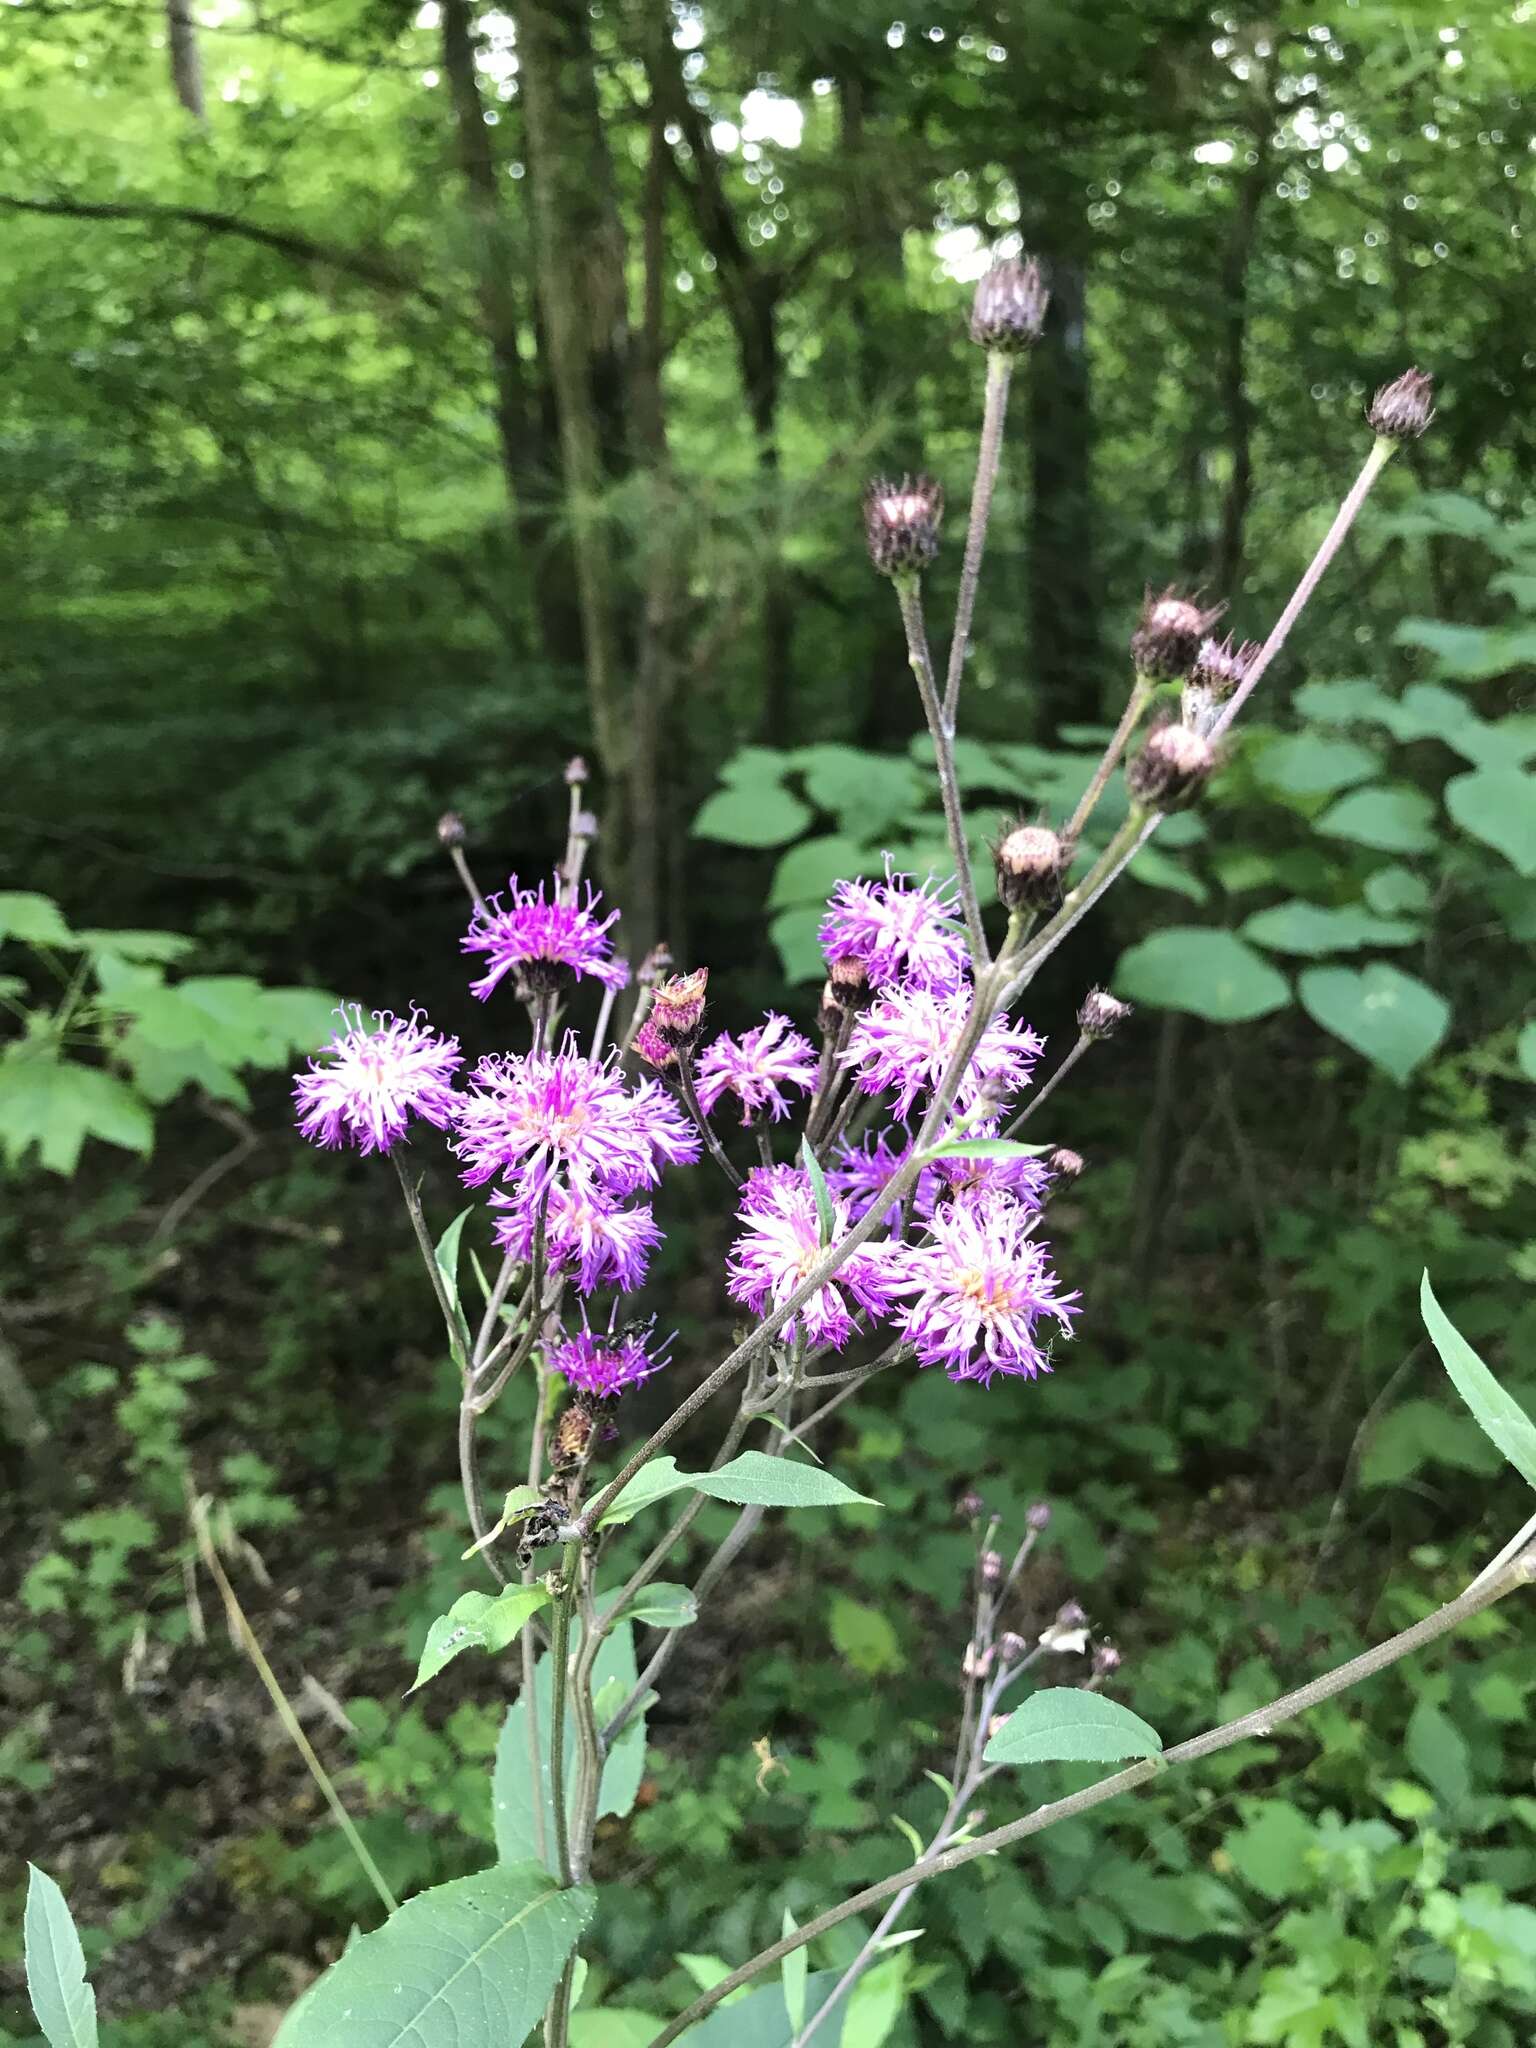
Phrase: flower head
(960, 1178)
(1008, 311)
(1402, 409)
(905, 1040)
(757, 1068)
(544, 943)
(375, 1080)
(586, 1234)
(858, 1172)
(780, 1243)
(896, 932)
(604, 1363)
(1172, 768)
(1031, 863)
(901, 523)
(979, 1289)
(1169, 632)
(1100, 1015)
(677, 1008)
(537, 1114)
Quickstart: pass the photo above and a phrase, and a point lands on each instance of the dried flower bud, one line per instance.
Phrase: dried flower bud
(991, 1567)
(1008, 311)
(970, 1506)
(1031, 863)
(848, 978)
(651, 1047)
(1106, 1658)
(1221, 665)
(655, 964)
(1038, 1516)
(572, 1438)
(1100, 1014)
(1168, 634)
(450, 829)
(1065, 1163)
(1012, 1645)
(677, 1008)
(1171, 769)
(901, 523)
(1401, 410)
(576, 770)
(975, 1663)
(1068, 1633)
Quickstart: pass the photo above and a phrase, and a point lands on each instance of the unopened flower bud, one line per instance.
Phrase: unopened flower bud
(1171, 769)
(1038, 1515)
(450, 829)
(1168, 634)
(1401, 410)
(573, 1436)
(576, 770)
(991, 1567)
(1008, 311)
(1068, 1633)
(1031, 863)
(1106, 1658)
(1100, 1014)
(848, 978)
(1065, 1163)
(1070, 1615)
(651, 1047)
(677, 1008)
(655, 964)
(901, 524)
(1012, 1645)
(1221, 665)
(970, 1506)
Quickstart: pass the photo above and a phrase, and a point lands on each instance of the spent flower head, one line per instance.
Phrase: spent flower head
(1169, 633)
(1401, 410)
(1172, 768)
(901, 523)
(543, 944)
(1031, 863)
(1008, 311)
(365, 1086)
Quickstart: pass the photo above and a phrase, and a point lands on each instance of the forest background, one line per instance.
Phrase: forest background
(399, 399)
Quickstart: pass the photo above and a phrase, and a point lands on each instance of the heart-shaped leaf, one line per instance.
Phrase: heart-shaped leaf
(1393, 1018)
(1065, 1725)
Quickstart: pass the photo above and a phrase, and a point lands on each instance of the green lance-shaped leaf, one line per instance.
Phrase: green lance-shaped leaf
(751, 1480)
(796, 1970)
(478, 1621)
(986, 1148)
(1498, 1414)
(762, 2018)
(447, 1253)
(1064, 1725)
(64, 2004)
(663, 1606)
(470, 1964)
(826, 1217)
(512, 1792)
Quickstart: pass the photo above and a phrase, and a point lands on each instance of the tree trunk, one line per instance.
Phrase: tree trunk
(1236, 404)
(186, 59)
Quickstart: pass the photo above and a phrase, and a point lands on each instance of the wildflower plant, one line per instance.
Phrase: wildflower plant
(888, 1217)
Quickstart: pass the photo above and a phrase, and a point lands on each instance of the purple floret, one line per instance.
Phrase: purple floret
(373, 1081)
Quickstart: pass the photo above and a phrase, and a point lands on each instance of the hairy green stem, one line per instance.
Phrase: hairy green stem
(909, 595)
(1044, 1092)
(1130, 718)
(988, 455)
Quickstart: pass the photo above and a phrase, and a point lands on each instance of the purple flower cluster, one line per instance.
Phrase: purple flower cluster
(603, 1364)
(979, 1286)
(757, 1068)
(373, 1082)
(900, 935)
(905, 1040)
(780, 1243)
(543, 944)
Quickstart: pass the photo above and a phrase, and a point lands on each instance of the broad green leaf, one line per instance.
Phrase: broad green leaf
(512, 1803)
(752, 815)
(795, 936)
(57, 1104)
(875, 2003)
(864, 1637)
(1525, 1051)
(1437, 1753)
(1065, 1725)
(63, 2003)
(469, 1964)
(478, 1621)
(826, 1217)
(1309, 764)
(1396, 891)
(755, 1480)
(1156, 870)
(447, 1253)
(761, 2019)
(653, 1482)
(796, 1972)
(867, 793)
(987, 1148)
(1209, 973)
(1316, 929)
(663, 1606)
(1467, 654)
(1497, 806)
(35, 920)
(1354, 702)
(1391, 817)
(1393, 1018)
(809, 872)
(137, 945)
(614, 2026)
(1498, 1414)
(1272, 1851)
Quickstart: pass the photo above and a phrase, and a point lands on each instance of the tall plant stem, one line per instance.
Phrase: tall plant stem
(472, 887)
(1382, 451)
(695, 1109)
(453, 1321)
(1135, 708)
(910, 597)
(1482, 1593)
(560, 1657)
(1044, 1093)
(988, 455)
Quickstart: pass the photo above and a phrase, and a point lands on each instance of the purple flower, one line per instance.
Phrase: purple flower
(779, 1244)
(1025, 1180)
(586, 1234)
(901, 934)
(534, 1113)
(904, 1041)
(859, 1172)
(376, 1080)
(757, 1067)
(981, 1286)
(604, 1364)
(545, 944)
